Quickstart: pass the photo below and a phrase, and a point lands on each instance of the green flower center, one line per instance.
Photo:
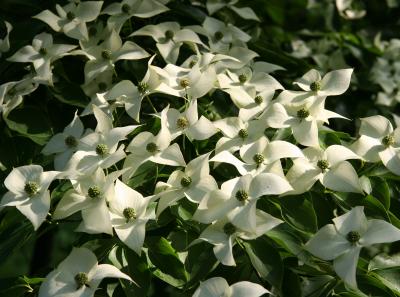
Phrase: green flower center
(303, 113)
(243, 133)
(258, 158)
(353, 237)
(186, 181)
(106, 54)
(70, 15)
(71, 141)
(102, 86)
(242, 78)
(151, 147)
(102, 149)
(126, 8)
(184, 83)
(218, 35)
(258, 100)
(315, 86)
(323, 164)
(43, 51)
(182, 122)
(242, 195)
(129, 214)
(31, 188)
(229, 229)
(169, 34)
(94, 192)
(388, 140)
(81, 280)
(142, 87)
(92, 31)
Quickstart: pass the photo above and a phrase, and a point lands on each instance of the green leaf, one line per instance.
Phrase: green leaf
(30, 122)
(381, 190)
(165, 258)
(390, 278)
(299, 212)
(265, 260)
(138, 270)
(70, 93)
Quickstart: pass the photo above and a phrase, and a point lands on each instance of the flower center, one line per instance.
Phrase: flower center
(70, 15)
(242, 78)
(142, 87)
(81, 280)
(106, 54)
(184, 83)
(129, 214)
(186, 181)
(258, 100)
(151, 147)
(182, 122)
(126, 8)
(43, 51)
(94, 192)
(323, 164)
(315, 86)
(242, 195)
(102, 149)
(71, 141)
(353, 237)
(388, 140)
(243, 133)
(229, 229)
(169, 34)
(218, 35)
(258, 158)
(31, 188)
(303, 113)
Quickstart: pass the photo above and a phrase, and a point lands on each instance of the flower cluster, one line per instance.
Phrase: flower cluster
(268, 140)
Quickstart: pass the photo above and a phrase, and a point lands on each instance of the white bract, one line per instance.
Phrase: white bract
(218, 286)
(78, 275)
(343, 240)
(379, 142)
(5, 42)
(28, 191)
(72, 18)
(129, 214)
(328, 166)
(41, 54)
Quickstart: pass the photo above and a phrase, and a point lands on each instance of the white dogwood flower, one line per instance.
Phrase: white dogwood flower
(5, 42)
(41, 54)
(238, 197)
(122, 11)
(72, 18)
(28, 191)
(379, 141)
(64, 144)
(89, 195)
(188, 123)
(328, 166)
(222, 234)
(169, 37)
(343, 240)
(78, 275)
(218, 286)
(129, 215)
(193, 183)
(244, 12)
